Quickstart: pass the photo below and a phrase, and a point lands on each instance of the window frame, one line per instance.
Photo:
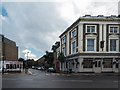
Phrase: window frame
(86, 62)
(64, 40)
(87, 44)
(74, 47)
(74, 30)
(90, 29)
(117, 46)
(109, 64)
(113, 30)
(63, 51)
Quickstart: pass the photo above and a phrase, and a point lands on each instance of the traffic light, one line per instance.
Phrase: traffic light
(102, 44)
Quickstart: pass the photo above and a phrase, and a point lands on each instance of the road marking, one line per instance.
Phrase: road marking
(47, 74)
(74, 80)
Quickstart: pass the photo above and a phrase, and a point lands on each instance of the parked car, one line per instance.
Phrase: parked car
(33, 67)
(39, 68)
(51, 69)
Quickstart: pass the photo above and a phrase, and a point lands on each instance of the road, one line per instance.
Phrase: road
(42, 79)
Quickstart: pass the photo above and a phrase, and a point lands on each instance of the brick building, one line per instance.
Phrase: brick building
(9, 54)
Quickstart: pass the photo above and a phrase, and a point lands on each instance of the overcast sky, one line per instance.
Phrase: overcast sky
(36, 26)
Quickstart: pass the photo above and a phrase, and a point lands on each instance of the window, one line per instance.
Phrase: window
(113, 29)
(63, 41)
(7, 66)
(113, 45)
(87, 64)
(64, 50)
(17, 65)
(73, 47)
(107, 63)
(74, 33)
(14, 66)
(90, 44)
(90, 29)
(11, 66)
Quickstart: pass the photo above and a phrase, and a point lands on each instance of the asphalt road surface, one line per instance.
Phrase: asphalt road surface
(42, 79)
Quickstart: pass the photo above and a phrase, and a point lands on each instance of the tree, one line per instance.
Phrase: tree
(49, 58)
(30, 63)
(54, 47)
(61, 57)
(21, 59)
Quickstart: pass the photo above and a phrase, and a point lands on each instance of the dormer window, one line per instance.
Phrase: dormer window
(74, 33)
(90, 29)
(113, 30)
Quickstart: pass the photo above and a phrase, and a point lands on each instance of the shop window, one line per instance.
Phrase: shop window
(17, 65)
(7, 66)
(88, 64)
(107, 63)
(11, 66)
(14, 66)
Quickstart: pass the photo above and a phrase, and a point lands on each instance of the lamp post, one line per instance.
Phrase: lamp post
(27, 55)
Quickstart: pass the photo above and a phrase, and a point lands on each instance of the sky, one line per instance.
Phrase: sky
(36, 26)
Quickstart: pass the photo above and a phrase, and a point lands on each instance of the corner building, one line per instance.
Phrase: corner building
(92, 44)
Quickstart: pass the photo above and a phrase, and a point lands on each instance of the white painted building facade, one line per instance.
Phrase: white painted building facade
(92, 44)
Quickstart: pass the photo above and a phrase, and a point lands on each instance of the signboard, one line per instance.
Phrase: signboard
(68, 61)
(25, 63)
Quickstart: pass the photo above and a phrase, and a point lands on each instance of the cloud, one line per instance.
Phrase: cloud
(33, 25)
(29, 55)
(73, 9)
(2, 18)
(37, 25)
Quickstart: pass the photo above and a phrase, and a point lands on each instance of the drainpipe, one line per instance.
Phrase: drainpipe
(2, 57)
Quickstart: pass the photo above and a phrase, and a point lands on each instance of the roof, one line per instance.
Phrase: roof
(93, 18)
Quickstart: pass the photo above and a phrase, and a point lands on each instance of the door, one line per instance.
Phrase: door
(97, 67)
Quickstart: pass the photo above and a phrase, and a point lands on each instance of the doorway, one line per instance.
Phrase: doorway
(97, 67)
